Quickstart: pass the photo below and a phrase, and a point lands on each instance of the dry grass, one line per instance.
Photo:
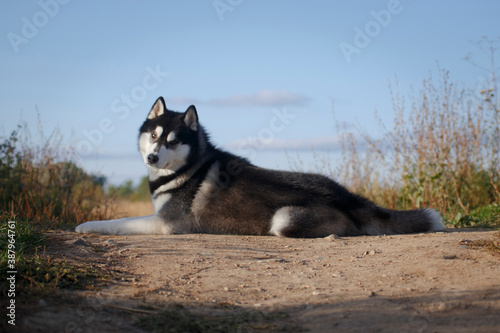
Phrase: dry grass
(443, 152)
(39, 181)
(42, 183)
(126, 208)
(492, 245)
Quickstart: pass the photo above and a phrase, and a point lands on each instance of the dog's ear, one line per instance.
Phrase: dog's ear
(191, 118)
(158, 108)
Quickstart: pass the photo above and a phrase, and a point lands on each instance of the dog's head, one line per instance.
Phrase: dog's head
(168, 140)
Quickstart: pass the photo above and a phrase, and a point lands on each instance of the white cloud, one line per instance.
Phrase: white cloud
(263, 98)
(111, 156)
(266, 98)
(328, 142)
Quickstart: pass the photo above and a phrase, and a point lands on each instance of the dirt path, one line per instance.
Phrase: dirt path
(404, 283)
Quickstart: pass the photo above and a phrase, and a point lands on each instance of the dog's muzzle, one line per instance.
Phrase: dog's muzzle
(152, 159)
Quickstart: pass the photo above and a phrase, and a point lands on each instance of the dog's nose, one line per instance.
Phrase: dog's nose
(152, 158)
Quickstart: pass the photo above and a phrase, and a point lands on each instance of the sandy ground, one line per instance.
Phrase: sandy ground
(404, 283)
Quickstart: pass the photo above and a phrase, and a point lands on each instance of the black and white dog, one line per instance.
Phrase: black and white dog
(197, 188)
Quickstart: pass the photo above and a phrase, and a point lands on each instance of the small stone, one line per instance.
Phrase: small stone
(332, 237)
(111, 242)
(81, 242)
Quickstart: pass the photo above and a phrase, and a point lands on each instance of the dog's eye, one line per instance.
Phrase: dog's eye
(154, 135)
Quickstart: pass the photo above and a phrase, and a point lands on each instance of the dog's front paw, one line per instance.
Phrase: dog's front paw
(87, 228)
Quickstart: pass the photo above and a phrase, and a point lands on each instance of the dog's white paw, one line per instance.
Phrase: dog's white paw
(87, 228)
(145, 225)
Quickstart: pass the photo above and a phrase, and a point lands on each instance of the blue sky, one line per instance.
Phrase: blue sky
(262, 74)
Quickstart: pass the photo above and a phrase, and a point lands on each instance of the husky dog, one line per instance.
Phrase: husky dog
(198, 188)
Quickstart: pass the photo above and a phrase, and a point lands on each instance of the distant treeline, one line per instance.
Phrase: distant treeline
(128, 191)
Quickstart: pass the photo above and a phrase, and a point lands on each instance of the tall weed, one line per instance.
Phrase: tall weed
(41, 182)
(442, 152)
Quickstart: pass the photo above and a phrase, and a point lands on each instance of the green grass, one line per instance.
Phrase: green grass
(40, 275)
(27, 237)
(481, 217)
(46, 274)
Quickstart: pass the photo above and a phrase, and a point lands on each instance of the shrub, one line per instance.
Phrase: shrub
(442, 152)
(41, 182)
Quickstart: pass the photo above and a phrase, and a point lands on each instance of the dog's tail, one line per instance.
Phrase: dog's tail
(388, 221)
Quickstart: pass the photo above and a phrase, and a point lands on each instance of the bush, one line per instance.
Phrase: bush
(42, 183)
(443, 152)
